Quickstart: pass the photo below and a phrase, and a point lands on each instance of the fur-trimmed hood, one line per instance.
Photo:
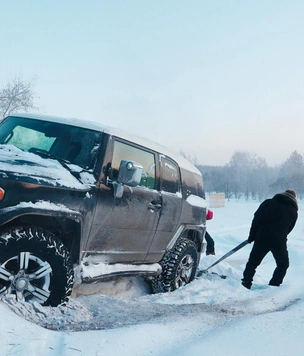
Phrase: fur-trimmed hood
(287, 199)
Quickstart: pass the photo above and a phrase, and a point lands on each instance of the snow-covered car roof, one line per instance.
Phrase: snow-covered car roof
(183, 162)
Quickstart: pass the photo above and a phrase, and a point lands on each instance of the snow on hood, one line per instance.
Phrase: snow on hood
(25, 164)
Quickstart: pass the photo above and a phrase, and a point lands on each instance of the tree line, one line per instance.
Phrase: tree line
(247, 175)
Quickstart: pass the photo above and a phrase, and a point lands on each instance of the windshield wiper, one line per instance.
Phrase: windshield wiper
(65, 163)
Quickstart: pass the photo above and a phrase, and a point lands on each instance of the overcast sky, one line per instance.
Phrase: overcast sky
(205, 77)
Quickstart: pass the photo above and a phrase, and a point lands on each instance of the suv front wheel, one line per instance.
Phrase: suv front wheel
(35, 266)
(178, 267)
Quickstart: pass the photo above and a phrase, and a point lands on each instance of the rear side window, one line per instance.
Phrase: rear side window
(169, 175)
(123, 151)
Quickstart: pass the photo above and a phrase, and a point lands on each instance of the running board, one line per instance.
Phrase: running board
(93, 272)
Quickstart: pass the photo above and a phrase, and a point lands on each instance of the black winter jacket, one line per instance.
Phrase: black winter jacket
(274, 219)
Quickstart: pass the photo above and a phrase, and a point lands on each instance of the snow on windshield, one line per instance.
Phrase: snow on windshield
(27, 164)
(77, 145)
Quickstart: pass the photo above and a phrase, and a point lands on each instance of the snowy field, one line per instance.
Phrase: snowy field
(210, 316)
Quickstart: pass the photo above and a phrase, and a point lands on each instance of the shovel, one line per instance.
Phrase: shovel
(238, 247)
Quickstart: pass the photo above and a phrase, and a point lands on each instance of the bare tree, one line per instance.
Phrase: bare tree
(16, 95)
(191, 159)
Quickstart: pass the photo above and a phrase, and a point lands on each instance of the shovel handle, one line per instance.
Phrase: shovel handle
(238, 247)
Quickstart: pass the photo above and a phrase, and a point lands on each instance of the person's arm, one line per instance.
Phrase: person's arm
(255, 222)
(292, 225)
(252, 231)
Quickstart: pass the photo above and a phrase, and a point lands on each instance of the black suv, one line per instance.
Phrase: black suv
(80, 202)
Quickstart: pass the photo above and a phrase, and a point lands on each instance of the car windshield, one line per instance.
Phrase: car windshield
(75, 145)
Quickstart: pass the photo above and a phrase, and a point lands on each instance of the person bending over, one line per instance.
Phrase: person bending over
(272, 222)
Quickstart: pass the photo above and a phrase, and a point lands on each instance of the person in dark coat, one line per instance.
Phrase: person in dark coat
(272, 222)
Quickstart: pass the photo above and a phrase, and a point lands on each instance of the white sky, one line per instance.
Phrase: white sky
(207, 77)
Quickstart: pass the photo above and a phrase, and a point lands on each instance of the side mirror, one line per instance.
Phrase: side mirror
(129, 174)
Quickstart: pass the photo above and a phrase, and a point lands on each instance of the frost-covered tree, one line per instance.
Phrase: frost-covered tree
(249, 175)
(292, 174)
(239, 169)
(17, 95)
(259, 178)
(293, 165)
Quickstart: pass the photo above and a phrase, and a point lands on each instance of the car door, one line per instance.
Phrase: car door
(171, 197)
(123, 228)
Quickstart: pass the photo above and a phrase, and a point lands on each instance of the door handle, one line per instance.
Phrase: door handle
(154, 206)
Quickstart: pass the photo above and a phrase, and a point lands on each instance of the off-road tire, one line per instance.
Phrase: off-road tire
(35, 266)
(178, 267)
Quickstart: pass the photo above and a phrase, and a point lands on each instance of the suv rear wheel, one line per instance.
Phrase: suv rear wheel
(35, 266)
(179, 267)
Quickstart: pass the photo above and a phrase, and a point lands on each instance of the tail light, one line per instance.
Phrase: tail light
(209, 214)
(2, 193)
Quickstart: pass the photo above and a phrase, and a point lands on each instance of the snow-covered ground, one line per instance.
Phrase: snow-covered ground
(210, 316)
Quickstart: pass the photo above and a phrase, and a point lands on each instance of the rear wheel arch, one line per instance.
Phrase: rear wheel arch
(195, 236)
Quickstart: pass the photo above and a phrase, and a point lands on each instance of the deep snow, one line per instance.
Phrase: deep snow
(209, 316)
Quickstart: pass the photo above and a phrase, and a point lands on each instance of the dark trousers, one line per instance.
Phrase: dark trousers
(210, 243)
(258, 252)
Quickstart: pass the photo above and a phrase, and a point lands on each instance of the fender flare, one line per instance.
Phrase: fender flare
(199, 228)
(41, 207)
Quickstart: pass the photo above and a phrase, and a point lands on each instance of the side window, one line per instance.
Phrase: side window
(124, 151)
(169, 175)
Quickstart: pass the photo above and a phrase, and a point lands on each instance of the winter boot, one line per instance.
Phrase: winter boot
(271, 283)
(210, 253)
(246, 284)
